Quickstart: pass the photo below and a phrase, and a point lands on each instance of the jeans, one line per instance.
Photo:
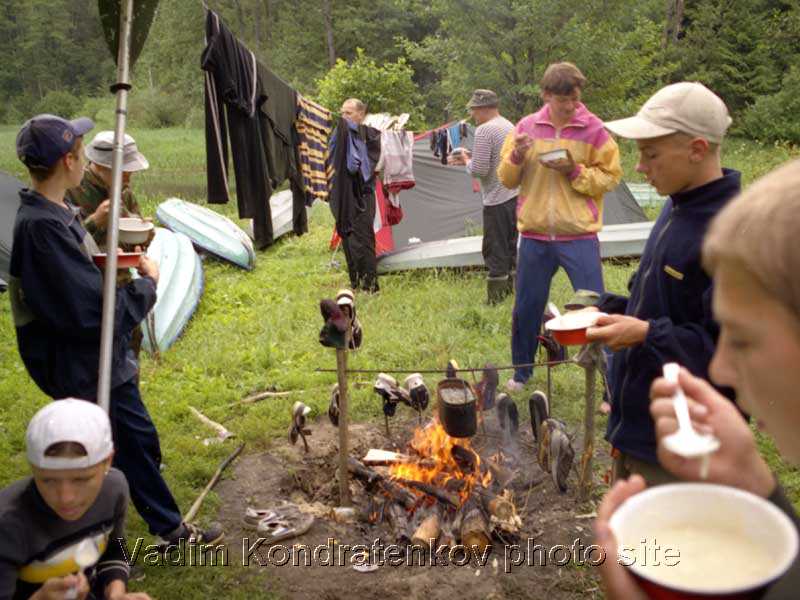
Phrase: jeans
(537, 263)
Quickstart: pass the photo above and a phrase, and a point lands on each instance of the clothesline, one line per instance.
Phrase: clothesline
(457, 369)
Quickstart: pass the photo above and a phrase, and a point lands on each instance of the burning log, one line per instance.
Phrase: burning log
(374, 480)
(439, 494)
(428, 531)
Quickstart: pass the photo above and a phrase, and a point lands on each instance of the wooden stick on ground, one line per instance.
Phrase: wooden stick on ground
(222, 433)
(217, 474)
(585, 482)
(262, 396)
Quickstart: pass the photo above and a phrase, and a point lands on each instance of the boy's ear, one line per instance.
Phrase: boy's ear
(699, 148)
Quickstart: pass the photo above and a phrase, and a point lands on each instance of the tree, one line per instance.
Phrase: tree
(385, 88)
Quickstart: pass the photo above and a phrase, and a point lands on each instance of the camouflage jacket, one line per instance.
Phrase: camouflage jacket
(90, 194)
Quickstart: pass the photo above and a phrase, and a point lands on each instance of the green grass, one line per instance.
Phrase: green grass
(259, 329)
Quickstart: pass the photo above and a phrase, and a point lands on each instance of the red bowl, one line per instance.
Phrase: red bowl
(570, 328)
(125, 260)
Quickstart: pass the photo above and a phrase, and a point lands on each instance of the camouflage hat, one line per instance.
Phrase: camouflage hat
(483, 98)
(582, 299)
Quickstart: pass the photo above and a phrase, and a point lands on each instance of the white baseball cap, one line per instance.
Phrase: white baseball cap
(69, 420)
(101, 149)
(687, 107)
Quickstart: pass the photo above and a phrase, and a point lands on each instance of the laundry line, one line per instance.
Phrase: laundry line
(457, 369)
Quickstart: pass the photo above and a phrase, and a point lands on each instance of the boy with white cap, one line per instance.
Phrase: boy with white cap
(92, 195)
(74, 499)
(667, 317)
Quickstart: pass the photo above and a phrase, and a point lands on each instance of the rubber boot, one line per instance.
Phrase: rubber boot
(496, 289)
(512, 281)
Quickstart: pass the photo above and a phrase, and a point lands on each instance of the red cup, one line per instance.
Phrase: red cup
(125, 260)
(747, 526)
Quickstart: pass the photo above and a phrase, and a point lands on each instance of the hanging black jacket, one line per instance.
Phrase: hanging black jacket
(231, 103)
(57, 301)
(671, 291)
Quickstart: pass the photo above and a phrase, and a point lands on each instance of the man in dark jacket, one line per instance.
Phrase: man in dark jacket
(667, 317)
(56, 295)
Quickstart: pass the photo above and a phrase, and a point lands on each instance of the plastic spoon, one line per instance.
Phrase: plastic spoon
(553, 309)
(686, 441)
(86, 555)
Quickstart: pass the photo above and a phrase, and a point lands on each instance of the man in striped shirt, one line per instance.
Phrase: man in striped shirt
(499, 203)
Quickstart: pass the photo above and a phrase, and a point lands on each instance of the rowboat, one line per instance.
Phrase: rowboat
(616, 241)
(208, 230)
(180, 286)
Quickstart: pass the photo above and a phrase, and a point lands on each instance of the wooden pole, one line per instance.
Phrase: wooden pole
(586, 484)
(341, 373)
(217, 474)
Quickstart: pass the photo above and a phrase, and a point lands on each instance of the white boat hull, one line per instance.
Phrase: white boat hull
(180, 286)
(615, 241)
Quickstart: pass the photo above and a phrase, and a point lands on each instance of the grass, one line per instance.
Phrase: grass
(259, 329)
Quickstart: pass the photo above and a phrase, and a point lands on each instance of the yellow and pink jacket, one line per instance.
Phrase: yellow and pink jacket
(553, 206)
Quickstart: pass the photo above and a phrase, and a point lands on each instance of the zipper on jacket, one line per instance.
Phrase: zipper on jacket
(644, 277)
(551, 204)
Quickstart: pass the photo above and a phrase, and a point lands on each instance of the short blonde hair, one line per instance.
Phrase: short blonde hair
(760, 231)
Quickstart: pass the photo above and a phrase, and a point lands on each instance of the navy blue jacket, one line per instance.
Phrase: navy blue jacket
(57, 302)
(671, 291)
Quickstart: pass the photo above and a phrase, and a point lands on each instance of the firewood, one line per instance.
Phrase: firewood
(431, 490)
(428, 531)
(398, 521)
(373, 481)
(474, 530)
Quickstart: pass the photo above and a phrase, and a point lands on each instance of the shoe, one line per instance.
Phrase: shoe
(540, 411)
(512, 386)
(561, 456)
(191, 533)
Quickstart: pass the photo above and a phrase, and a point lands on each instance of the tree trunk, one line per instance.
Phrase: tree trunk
(327, 13)
(672, 27)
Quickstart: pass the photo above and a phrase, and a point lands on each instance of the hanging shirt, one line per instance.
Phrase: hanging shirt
(313, 125)
(231, 103)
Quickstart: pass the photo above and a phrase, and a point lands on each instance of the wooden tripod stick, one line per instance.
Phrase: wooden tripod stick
(341, 373)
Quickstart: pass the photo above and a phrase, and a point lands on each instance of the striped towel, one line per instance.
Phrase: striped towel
(314, 124)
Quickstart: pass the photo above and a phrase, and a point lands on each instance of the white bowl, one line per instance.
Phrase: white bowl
(730, 542)
(133, 230)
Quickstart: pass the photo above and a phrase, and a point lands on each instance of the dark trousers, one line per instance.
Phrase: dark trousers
(500, 238)
(138, 456)
(537, 262)
(359, 249)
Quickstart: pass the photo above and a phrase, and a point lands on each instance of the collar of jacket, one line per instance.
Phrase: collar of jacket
(579, 119)
(34, 199)
(708, 197)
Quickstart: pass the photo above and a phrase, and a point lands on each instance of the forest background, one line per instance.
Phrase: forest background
(417, 56)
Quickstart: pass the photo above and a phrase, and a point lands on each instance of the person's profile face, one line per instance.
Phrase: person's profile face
(665, 163)
(75, 163)
(70, 492)
(758, 353)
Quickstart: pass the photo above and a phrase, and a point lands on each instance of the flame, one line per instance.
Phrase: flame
(437, 465)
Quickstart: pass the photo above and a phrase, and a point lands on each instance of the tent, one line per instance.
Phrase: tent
(444, 205)
(9, 202)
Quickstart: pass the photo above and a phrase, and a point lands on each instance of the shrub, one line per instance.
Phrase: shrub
(58, 102)
(773, 117)
(153, 109)
(385, 88)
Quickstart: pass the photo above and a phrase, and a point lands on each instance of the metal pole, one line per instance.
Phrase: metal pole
(110, 282)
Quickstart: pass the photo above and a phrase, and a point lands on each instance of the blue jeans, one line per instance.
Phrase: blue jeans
(537, 263)
(138, 456)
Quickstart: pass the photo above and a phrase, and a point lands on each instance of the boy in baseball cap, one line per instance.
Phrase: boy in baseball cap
(56, 294)
(74, 503)
(667, 317)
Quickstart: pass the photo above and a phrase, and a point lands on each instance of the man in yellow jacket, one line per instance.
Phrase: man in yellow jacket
(563, 161)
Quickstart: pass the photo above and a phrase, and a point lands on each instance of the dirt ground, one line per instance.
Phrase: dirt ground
(285, 473)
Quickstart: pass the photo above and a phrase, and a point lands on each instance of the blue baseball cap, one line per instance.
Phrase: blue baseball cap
(46, 138)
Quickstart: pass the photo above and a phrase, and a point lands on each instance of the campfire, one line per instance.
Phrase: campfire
(441, 492)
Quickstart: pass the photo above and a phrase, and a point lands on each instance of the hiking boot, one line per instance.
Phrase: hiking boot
(561, 456)
(496, 289)
(191, 533)
(540, 410)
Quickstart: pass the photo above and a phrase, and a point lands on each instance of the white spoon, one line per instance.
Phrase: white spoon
(553, 309)
(686, 441)
(86, 555)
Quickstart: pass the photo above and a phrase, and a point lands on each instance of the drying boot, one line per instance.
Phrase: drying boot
(496, 289)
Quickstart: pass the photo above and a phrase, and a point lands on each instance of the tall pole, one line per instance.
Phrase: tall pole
(121, 89)
(344, 451)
